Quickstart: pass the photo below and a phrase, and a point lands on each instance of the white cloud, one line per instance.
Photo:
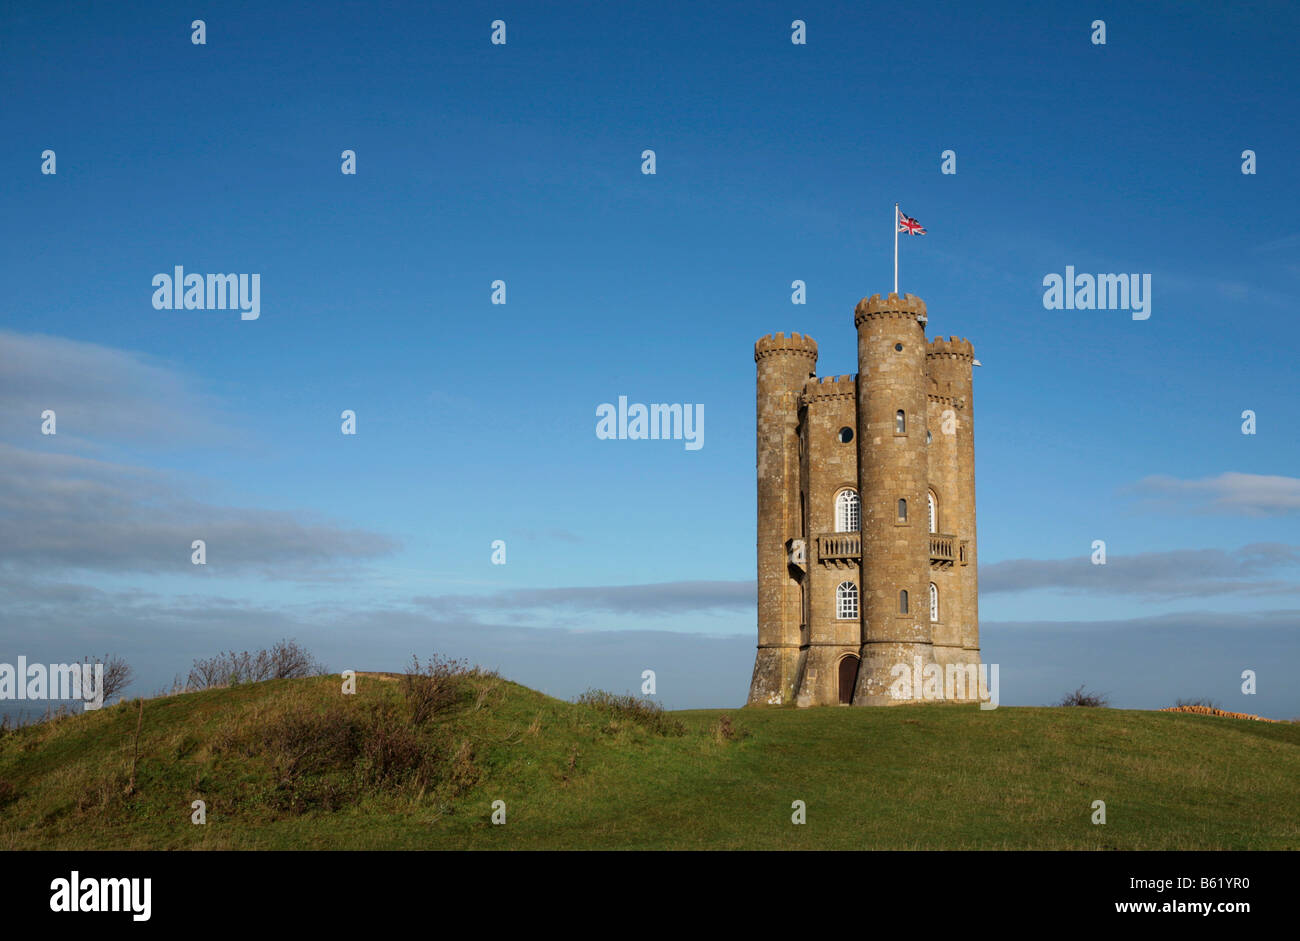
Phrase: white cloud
(99, 394)
(1231, 492)
(1181, 573)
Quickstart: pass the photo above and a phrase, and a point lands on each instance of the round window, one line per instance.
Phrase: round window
(846, 434)
(898, 347)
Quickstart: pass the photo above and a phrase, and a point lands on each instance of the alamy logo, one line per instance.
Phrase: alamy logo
(1100, 292)
(951, 681)
(76, 894)
(654, 422)
(181, 291)
(84, 681)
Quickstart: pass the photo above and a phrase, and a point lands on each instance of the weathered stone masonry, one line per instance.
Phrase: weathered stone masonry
(866, 491)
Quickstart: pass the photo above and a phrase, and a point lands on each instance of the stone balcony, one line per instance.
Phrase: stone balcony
(839, 549)
(844, 549)
(943, 550)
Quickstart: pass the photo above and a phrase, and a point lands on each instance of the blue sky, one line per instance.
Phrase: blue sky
(521, 162)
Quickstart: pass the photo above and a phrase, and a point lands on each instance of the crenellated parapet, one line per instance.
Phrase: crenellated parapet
(781, 345)
(891, 305)
(830, 387)
(952, 347)
(948, 364)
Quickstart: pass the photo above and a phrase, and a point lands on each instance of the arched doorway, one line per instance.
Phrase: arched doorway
(848, 678)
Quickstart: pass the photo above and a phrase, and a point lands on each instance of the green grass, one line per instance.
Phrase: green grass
(577, 776)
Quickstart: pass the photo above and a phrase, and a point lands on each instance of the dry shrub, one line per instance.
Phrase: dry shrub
(311, 756)
(1081, 698)
(724, 731)
(117, 674)
(462, 772)
(391, 751)
(305, 742)
(645, 713)
(285, 660)
(433, 688)
(485, 692)
(331, 758)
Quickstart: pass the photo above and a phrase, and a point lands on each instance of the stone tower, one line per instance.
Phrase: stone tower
(866, 516)
(784, 367)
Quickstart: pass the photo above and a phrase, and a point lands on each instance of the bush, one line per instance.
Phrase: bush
(117, 674)
(287, 660)
(646, 713)
(435, 687)
(304, 742)
(390, 751)
(1081, 698)
(1206, 703)
(724, 731)
(332, 758)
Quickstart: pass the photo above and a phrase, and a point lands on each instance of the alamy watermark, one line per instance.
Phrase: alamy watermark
(89, 894)
(961, 682)
(37, 681)
(181, 291)
(651, 422)
(1098, 292)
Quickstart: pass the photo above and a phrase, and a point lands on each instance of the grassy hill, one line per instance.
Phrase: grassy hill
(293, 764)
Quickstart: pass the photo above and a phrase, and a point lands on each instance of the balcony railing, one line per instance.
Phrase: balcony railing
(841, 548)
(837, 548)
(943, 548)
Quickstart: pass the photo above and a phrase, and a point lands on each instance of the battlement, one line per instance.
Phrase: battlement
(953, 346)
(780, 344)
(830, 387)
(909, 305)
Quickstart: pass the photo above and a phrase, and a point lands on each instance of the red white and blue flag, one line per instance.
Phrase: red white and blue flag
(909, 225)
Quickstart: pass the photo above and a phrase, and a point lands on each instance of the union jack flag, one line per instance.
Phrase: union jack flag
(909, 225)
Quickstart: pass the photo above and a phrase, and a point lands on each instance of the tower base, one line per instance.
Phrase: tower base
(826, 679)
(776, 676)
(889, 673)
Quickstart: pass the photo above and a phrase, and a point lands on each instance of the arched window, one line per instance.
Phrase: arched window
(846, 601)
(902, 511)
(848, 512)
(934, 602)
(900, 422)
(934, 513)
(902, 601)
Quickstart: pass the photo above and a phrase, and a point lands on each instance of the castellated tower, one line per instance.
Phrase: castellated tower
(866, 515)
(784, 365)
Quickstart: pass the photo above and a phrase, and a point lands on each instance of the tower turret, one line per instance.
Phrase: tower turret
(784, 364)
(949, 364)
(893, 472)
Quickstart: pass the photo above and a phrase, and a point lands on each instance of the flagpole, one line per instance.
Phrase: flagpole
(895, 248)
